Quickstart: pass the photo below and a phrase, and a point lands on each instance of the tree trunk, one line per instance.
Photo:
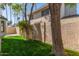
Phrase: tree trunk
(27, 33)
(6, 11)
(27, 29)
(10, 14)
(56, 28)
(44, 31)
(14, 19)
(31, 12)
(23, 11)
(26, 12)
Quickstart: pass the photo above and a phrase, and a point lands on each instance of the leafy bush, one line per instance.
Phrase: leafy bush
(25, 48)
(17, 46)
(24, 24)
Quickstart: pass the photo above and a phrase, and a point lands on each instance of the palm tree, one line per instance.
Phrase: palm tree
(6, 10)
(1, 7)
(17, 9)
(10, 7)
(4, 6)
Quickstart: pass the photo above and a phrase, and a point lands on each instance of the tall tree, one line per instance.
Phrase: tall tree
(10, 7)
(56, 28)
(30, 16)
(25, 11)
(6, 10)
(28, 29)
(17, 9)
(25, 16)
(1, 8)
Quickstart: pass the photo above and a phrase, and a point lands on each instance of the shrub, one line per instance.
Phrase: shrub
(25, 48)
(17, 46)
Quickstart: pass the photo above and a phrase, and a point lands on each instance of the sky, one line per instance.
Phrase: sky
(77, 8)
(38, 5)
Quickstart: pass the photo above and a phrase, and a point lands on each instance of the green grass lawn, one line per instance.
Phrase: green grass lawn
(71, 52)
(13, 37)
(17, 46)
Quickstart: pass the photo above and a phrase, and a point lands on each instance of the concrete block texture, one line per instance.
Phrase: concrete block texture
(69, 30)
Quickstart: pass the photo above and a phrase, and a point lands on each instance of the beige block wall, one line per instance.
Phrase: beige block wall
(48, 33)
(70, 33)
(69, 30)
(11, 30)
